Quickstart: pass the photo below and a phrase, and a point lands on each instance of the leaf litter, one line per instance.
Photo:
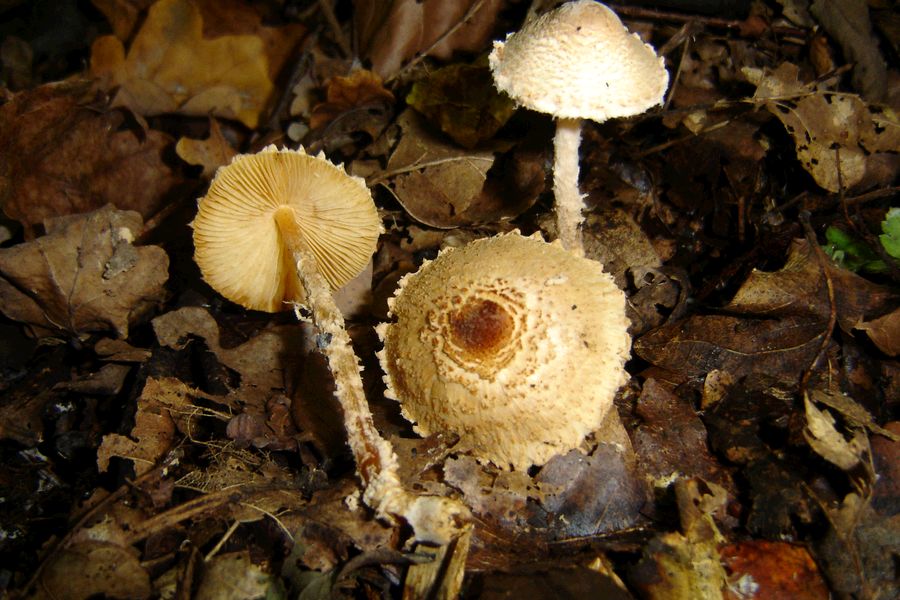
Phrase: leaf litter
(157, 439)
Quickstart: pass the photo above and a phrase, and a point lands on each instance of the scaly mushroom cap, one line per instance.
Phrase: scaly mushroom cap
(579, 62)
(239, 247)
(516, 345)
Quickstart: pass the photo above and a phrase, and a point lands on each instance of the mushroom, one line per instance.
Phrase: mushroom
(280, 228)
(577, 62)
(515, 345)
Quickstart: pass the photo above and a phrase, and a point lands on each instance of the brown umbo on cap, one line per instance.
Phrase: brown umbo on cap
(516, 345)
(579, 62)
(240, 248)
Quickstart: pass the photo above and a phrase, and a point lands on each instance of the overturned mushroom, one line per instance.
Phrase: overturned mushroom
(577, 62)
(282, 227)
(516, 345)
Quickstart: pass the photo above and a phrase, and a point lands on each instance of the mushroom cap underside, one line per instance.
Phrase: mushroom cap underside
(242, 252)
(516, 345)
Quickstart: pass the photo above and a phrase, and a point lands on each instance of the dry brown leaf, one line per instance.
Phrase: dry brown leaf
(671, 439)
(829, 443)
(173, 67)
(165, 406)
(211, 153)
(94, 568)
(122, 15)
(261, 362)
(884, 332)
(799, 289)
(848, 22)
(766, 569)
(781, 348)
(443, 185)
(62, 153)
(390, 33)
(829, 128)
(83, 276)
(233, 576)
(684, 566)
(361, 90)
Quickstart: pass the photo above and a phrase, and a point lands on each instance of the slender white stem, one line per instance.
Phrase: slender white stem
(433, 519)
(569, 201)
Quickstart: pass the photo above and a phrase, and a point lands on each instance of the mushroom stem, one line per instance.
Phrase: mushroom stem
(569, 200)
(432, 518)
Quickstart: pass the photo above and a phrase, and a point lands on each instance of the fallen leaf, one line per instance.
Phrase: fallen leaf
(83, 276)
(671, 439)
(740, 346)
(830, 129)
(213, 152)
(63, 152)
(122, 15)
(884, 332)
(799, 289)
(858, 553)
(683, 566)
(172, 67)
(442, 185)
(153, 434)
(829, 443)
(463, 102)
(390, 33)
(233, 576)
(94, 568)
(361, 90)
(763, 569)
(785, 313)
(849, 23)
(598, 493)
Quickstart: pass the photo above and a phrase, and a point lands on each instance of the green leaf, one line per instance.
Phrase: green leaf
(890, 239)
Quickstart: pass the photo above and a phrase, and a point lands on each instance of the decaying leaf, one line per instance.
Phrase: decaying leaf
(83, 276)
(684, 566)
(173, 67)
(165, 405)
(785, 315)
(884, 332)
(799, 289)
(848, 22)
(234, 576)
(390, 33)
(671, 440)
(463, 102)
(261, 362)
(859, 552)
(63, 152)
(829, 128)
(122, 15)
(361, 90)
(831, 444)
(765, 569)
(211, 153)
(442, 185)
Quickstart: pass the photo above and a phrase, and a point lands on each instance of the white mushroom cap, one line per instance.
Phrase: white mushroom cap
(242, 252)
(579, 62)
(516, 345)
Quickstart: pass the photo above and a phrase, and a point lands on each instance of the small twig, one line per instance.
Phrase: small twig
(474, 8)
(832, 304)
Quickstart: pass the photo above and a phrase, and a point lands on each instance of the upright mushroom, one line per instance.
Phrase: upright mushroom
(279, 228)
(516, 345)
(577, 62)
